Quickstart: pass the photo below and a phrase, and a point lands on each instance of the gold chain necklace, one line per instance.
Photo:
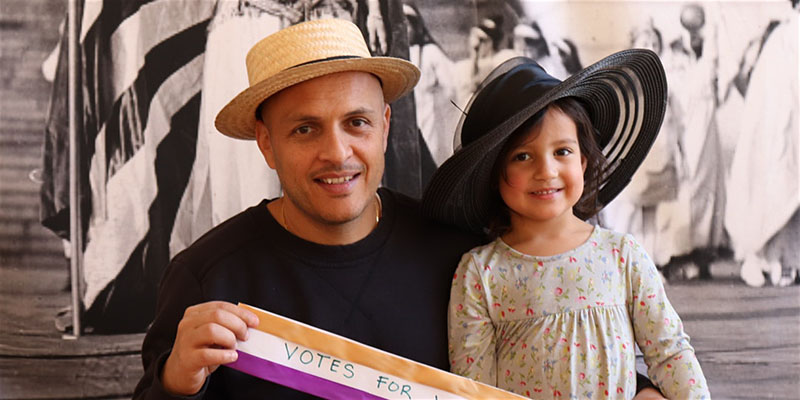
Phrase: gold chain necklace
(378, 211)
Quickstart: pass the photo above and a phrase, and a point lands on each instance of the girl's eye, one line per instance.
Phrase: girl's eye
(522, 157)
(563, 152)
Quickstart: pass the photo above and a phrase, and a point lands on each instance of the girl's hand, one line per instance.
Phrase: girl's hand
(649, 394)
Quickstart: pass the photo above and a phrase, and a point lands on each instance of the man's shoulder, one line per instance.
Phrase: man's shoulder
(409, 216)
(402, 203)
(225, 238)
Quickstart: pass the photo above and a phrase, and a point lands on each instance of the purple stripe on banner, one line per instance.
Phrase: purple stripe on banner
(297, 380)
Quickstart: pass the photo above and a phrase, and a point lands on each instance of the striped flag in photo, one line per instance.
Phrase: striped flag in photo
(141, 78)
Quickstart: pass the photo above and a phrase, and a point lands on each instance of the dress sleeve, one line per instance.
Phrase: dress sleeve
(671, 361)
(470, 327)
(178, 290)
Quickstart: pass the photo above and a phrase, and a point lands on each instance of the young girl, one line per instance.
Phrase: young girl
(554, 306)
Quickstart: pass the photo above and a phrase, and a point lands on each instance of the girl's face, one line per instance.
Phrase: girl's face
(543, 177)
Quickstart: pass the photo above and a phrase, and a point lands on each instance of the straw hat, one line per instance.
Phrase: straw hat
(305, 51)
(625, 95)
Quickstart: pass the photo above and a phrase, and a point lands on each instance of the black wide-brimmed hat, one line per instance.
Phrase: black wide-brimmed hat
(625, 95)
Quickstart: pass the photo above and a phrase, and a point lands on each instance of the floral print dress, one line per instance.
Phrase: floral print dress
(565, 326)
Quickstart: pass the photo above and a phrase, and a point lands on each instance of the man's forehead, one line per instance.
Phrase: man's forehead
(333, 81)
(335, 88)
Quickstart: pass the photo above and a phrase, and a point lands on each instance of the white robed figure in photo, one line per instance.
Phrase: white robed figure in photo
(655, 205)
(233, 183)
(436, 115)
(693, 75)
(764, 187)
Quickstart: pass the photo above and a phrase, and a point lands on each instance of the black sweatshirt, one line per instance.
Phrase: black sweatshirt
(389, 290)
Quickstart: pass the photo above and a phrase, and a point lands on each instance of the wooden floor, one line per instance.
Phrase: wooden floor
(747, 340)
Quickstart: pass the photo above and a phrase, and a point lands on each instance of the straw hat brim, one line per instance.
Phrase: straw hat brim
(626, 97)
(237, 118)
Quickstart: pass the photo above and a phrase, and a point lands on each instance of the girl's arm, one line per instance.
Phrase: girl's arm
(470, 328)
(671, 361)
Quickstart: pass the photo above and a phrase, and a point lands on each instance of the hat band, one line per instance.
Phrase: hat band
(323, 60)
(330, 59)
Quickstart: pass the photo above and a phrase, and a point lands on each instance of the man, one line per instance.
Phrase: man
(334, 251)
(236, 26)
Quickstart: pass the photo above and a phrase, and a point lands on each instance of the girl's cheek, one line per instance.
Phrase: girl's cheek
(515, 180)
(514, 184)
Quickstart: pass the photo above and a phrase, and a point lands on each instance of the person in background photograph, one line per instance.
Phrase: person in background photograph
(436, 116)
(763, 194)
(693, 73)
(230, 179)
(568, 51)
(486, 51)
(650, 207)
(530, 42)
(555, 306)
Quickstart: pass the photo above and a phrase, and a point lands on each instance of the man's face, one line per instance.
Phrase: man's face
(326, 139)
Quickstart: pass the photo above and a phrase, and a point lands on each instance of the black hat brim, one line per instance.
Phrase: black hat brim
(625, 95)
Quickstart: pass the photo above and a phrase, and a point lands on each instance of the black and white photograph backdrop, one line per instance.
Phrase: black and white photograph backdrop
(715, 202)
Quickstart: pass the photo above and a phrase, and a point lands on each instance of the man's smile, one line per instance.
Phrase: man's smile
(337, 180)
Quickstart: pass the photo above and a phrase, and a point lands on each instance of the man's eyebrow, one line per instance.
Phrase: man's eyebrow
(310, 117)
(360, 111)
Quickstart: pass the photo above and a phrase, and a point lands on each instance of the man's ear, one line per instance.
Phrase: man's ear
(387, 117)
(264, 143)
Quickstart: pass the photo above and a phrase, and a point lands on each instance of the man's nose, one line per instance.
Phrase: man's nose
(335, 146)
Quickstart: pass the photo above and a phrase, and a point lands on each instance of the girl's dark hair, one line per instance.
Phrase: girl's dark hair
(587, 206)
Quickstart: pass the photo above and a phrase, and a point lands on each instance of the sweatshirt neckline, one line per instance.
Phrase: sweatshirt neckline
(279, 239)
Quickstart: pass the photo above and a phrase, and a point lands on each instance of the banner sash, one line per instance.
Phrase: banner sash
(324, 364)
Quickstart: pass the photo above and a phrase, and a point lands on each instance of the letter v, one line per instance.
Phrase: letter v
(288, 354)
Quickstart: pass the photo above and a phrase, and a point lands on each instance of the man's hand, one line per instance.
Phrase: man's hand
(649, 394)
(206, 339)
(376, 28)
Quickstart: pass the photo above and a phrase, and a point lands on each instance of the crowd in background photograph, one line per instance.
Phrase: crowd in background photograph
(694, 199)
(711, 187)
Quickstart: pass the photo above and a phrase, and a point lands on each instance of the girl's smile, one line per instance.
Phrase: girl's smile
(545, 193)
